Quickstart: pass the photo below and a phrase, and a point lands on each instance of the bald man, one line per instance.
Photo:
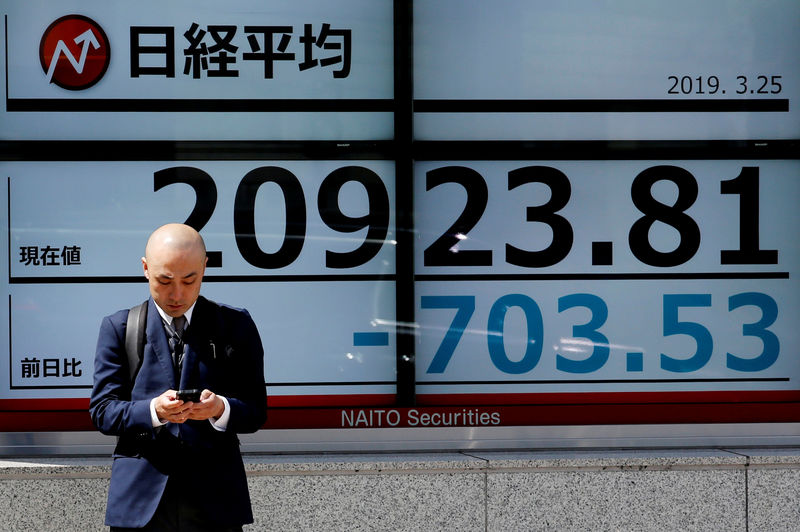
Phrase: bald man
(177, 464)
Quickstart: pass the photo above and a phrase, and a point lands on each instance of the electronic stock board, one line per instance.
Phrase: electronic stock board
(597, 223)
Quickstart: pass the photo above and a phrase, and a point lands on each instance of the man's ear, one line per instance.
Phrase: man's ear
(144, 268)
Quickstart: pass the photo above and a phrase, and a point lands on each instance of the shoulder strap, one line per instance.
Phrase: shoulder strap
(134, 338)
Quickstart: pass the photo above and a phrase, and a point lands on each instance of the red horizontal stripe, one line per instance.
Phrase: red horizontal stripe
(326, 411)
(45, 421)
(546, 415)
(499, 399)
(24, 405)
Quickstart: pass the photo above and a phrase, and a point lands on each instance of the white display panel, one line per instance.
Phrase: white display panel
(318, 279)
(607, 276)
(585, 70)
(186, 71)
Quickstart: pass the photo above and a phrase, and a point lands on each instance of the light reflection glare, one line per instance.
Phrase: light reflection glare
(572, 350)
(355, 357)
(580, 345)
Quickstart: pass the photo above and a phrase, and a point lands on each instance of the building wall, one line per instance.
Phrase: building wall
(700, 489)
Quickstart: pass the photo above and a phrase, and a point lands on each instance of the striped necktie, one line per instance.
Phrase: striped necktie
(175, 331)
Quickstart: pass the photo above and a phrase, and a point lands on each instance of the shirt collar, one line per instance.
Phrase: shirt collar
(166, 317)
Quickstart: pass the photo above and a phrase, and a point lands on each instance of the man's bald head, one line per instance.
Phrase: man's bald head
(177, 237)
(174, 263)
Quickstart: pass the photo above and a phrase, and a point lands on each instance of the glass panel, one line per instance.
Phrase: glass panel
(586, 70)
(318, 278)
(241, 70)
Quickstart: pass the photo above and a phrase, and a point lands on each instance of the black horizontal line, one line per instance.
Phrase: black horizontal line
(460, 383)
(456, 383)
(492, 150)
(206, 279)
(600, 381)
(600, 276)
(355, 383)
(604, 106)
(154, 150)
(50, 387)
(198, 105)
(296, 278)
(423, 277)
(387, 105)
(140, 150)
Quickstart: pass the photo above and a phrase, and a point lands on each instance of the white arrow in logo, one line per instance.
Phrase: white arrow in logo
(87, 38)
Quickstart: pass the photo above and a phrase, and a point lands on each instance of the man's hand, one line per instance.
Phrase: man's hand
(170, 409)
(209, 406)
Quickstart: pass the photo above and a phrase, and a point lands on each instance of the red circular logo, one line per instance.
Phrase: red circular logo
(74, 52)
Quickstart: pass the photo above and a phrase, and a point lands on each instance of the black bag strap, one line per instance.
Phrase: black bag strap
(134, 338)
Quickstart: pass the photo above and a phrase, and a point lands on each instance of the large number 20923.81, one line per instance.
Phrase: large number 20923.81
(376, 220)
(590, 331)
(442, 251)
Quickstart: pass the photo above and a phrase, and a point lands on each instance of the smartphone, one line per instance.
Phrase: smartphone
(189, 395)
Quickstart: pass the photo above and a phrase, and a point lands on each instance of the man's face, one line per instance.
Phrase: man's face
(174, 277)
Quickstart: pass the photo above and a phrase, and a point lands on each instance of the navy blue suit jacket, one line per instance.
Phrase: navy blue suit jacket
(223, 353)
